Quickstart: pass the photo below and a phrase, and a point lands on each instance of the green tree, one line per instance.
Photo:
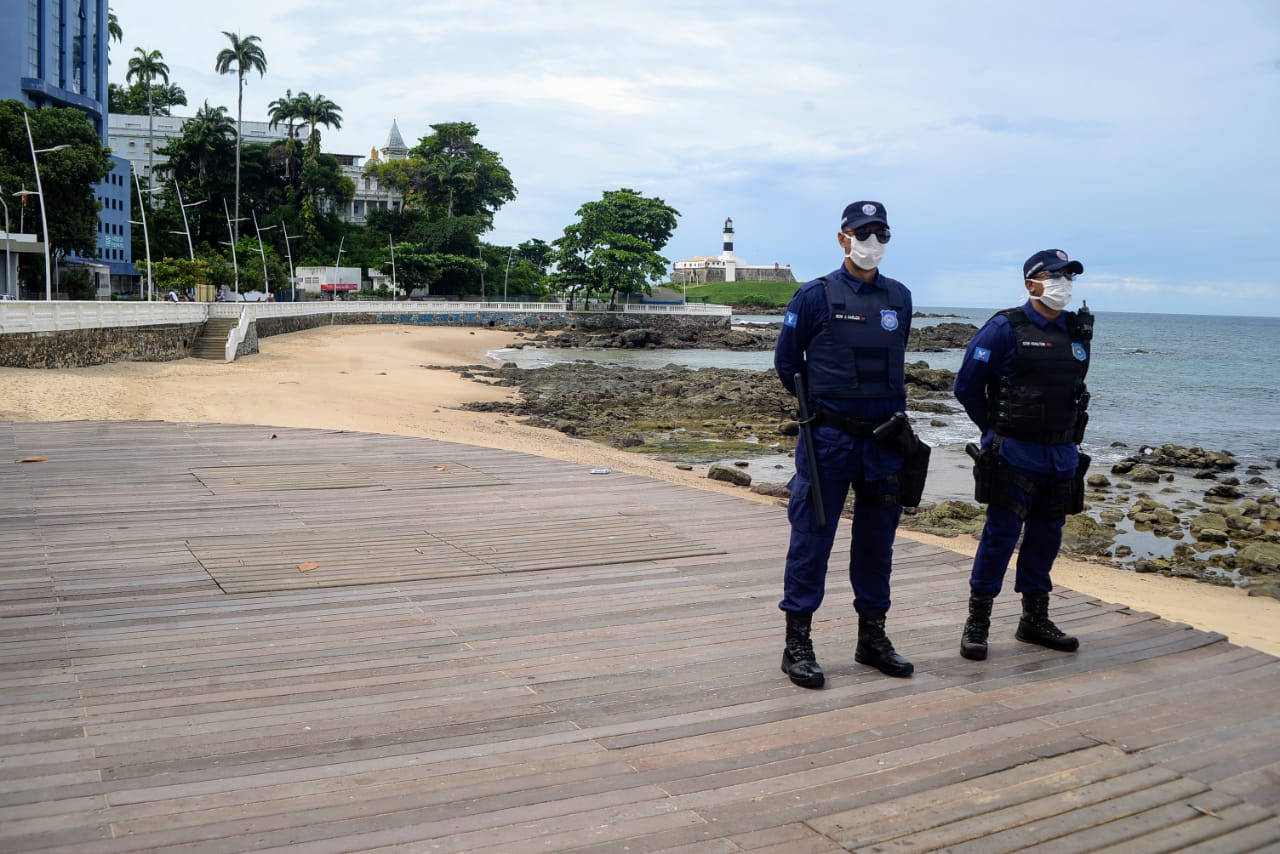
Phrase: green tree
(614, 246)
(67, 176)
(244, 55)
(538, 253)
(318, 179)
(432, 272)
(452, 187)
(285, 111)
(449, 174)
(180, 274)
(114, 33)
(206, 141)
(132, 100)
(144, 69)
(318, 110)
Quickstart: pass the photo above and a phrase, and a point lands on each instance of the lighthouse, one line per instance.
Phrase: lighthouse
(730, 263)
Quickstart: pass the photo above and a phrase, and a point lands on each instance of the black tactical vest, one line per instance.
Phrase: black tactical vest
(859, 352)
(1041, 400)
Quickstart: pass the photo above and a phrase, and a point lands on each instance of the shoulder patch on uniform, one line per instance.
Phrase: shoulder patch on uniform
(790, 319)
(1077, 350)
(888, 319)
(981, 354)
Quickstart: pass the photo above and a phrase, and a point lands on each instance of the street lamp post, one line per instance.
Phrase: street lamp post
(507, 273)
(288, 250)
(44, 222)
(337, 264)
(392, 244)
(8, 255)
(191, 250)
(146, 238)
(266, 287)
(235, 265)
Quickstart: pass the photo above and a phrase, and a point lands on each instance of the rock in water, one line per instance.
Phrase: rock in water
(729, 474)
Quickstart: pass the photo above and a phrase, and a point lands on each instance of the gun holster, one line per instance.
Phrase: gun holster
(1076, 504)
(914, 473)
(896, 435)
(984, 471)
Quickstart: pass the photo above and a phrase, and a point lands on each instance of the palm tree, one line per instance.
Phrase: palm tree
(285, 111)
(244, 55)
(315, 110)
(209, 127)
(114, 33)
(168, 96)
(318, 110)
(450, 175)
(145, 68)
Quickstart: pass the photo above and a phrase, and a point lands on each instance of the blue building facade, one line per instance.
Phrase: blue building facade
(53, 53)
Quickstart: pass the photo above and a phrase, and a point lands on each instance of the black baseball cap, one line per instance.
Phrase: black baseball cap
(860, 213)
(1050, 261)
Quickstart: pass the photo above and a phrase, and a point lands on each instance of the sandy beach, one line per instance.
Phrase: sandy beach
(379, 379)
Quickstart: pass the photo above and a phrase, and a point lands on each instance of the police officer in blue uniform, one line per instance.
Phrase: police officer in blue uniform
(1022, 384)
(845, 335)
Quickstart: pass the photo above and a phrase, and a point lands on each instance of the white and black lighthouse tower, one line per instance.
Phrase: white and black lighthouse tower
(726, 255)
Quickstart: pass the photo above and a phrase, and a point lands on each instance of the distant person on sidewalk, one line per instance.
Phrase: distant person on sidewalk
(845, 336)
(1022, 384)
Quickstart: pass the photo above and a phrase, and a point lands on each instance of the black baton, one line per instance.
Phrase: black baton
(811, 453)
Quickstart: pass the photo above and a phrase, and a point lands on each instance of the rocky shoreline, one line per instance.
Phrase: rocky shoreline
(924, 339)
(1164, 509)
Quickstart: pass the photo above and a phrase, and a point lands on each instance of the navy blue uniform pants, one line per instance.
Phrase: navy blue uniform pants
(844, 463)
(1045, 514)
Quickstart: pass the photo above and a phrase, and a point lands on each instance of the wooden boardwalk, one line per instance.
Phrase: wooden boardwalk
(227, 638)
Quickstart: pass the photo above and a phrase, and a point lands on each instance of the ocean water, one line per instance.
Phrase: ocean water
(1211, 382)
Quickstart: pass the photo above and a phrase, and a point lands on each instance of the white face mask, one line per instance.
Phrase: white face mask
(1057, 293)
(865, 254)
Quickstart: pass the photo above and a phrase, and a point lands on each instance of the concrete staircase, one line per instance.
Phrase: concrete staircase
(212, 343)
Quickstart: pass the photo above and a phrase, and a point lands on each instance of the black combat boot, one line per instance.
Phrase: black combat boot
(973, 643)
(798, 660)
(875, 648)
(1036, 627)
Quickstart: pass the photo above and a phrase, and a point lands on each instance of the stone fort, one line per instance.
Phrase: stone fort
(726, 267)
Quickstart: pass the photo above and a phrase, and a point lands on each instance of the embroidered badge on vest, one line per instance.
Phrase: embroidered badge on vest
(1077, 350)
(888, 319)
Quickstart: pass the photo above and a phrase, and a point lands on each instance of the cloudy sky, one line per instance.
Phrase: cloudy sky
(1142, 137)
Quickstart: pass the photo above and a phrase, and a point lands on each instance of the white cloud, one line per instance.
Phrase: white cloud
(984, 144)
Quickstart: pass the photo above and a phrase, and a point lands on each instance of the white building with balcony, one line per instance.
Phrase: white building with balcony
(369, 194)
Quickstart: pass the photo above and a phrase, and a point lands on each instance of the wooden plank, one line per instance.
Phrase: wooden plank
(342, 558)
(588, 703)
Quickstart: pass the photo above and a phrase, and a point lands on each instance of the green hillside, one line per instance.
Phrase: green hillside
(757, 294)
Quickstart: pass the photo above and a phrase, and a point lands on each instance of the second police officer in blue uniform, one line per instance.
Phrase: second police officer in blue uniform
(845, 336)
(1022, 384)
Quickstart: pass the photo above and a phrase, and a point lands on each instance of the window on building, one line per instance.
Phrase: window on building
(33, 38)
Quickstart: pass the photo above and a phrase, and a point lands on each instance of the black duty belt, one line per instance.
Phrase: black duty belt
(1041, 437)
(858, 429)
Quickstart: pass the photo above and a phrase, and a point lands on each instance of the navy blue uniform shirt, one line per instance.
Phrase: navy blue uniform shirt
(992, 352)
(805, 317)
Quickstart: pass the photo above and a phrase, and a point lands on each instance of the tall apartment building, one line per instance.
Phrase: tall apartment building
(53, 53)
